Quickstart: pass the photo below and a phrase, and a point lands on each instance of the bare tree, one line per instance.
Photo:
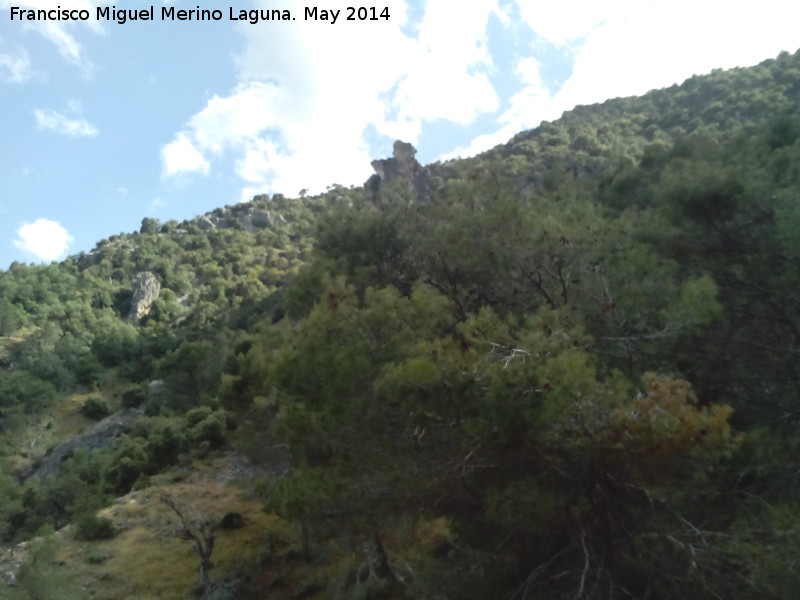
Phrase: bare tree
(198, 529)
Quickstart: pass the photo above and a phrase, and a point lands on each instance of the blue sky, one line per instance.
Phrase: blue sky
(104, 124)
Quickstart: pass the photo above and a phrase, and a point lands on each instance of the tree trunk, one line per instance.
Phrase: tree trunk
(306, 537)
(384, 569)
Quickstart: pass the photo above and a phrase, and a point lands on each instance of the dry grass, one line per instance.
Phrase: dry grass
(63, 422)
(67, 419)
(148, 559)
(7, 343)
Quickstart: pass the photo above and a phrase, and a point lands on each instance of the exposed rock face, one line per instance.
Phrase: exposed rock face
(206, 223)
(242, 216)
(145, 292)
(100, 435)
(403, 167)
(156, 387)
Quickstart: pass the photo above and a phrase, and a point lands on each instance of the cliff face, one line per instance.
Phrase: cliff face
(403, 168)
(146, 289)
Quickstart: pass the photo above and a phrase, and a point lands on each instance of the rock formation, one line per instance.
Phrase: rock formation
(100, 435)
(403, 168)
(242, 216)
(205, 222)
(145, 292)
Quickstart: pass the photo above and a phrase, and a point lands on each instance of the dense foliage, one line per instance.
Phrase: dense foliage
(577, 363)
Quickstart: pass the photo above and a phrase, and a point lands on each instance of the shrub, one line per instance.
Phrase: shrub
(90, 528)
(213, 429)
(179, 474)
(197, 415)
(95, 408)
(232, 520)
(164, 446)
(127, 463)
(97, 557)
(134, 397)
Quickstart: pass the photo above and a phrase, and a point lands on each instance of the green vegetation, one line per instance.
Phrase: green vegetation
(96, 408)
(572, 373)
(90, 528)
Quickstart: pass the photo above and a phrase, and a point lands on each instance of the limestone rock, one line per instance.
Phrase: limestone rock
(145, 292)
(10, 578)
(250, 218)
(156, 387)
(100, 435)
(244, 216)
(402, 167)
(206, 223)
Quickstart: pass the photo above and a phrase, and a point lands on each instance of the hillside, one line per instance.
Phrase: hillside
(565, 368)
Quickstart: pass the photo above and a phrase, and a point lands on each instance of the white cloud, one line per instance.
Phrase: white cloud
(50, 120)
(628, 47)
(256, 165)
(181, 156)
(567, 20)
(654, 44)
(526, 109)
(308, 92)
(446, 71)
(45, 239)
(60, 33)
(17, 66)
(236, 119)
(305, 96)
(533, 103)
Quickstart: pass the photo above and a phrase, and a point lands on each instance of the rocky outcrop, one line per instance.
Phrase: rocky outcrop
(247, 216)
(100, 435)
(403, 168)
(145, 292)
(205, 222)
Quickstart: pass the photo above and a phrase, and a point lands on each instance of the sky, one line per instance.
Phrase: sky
(104, 123)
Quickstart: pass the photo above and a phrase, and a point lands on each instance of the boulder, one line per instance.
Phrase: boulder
(146, 289)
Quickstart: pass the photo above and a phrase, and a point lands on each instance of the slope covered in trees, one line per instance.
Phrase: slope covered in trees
(572, 371)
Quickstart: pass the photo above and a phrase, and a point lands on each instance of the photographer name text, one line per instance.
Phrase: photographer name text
(170, 13)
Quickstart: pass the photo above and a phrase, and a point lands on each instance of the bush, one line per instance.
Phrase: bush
(213, 429)
(20, 389)
(127, 463)
(90, 528)
(164, 446)
(97, 557)
(95, 408)
(197, 415)
(134, 397)
(232, 520)
(178, 474)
